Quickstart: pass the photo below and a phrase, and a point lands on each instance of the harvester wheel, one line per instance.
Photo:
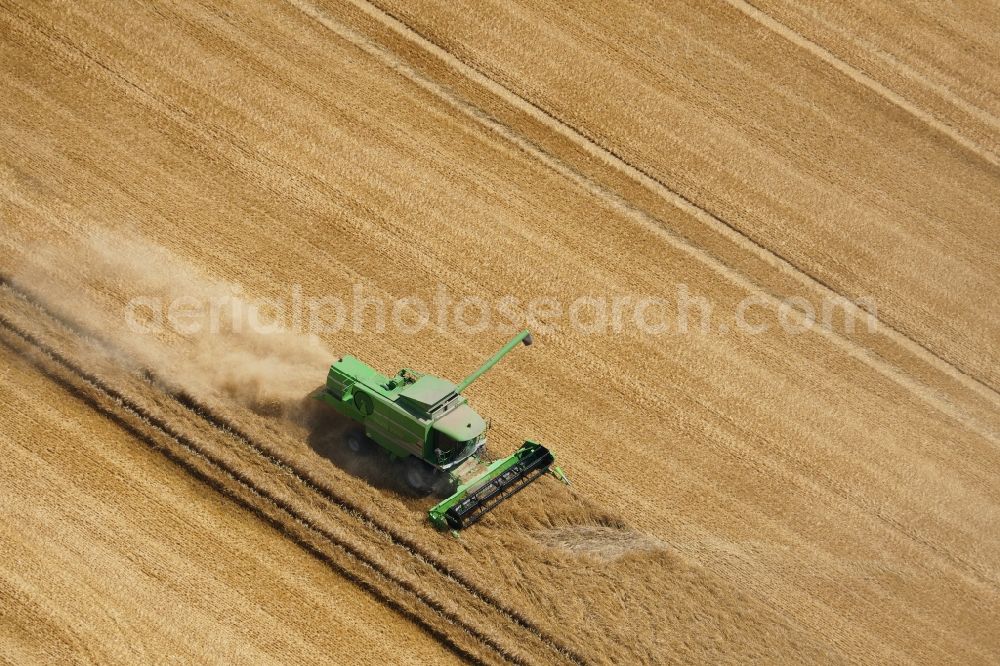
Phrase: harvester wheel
(418, 476)
(357, 443)
(444, 485)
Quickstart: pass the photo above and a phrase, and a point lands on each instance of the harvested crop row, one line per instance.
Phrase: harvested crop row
(300, 482)
(597, 545)
(289, 500)
(112, 554)
(221, 478)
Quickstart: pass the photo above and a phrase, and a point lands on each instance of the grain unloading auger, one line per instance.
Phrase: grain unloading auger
(426, 423)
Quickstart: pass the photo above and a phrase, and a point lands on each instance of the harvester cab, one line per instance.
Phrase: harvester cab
(427, 424)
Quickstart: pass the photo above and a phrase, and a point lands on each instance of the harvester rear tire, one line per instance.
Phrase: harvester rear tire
(357, 443)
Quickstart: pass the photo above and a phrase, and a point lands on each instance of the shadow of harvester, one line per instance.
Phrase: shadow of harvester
(329, 435)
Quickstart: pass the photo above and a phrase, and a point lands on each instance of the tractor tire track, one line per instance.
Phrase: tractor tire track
(874, 351)
(855, 74)
(575, 154)
(226, 428)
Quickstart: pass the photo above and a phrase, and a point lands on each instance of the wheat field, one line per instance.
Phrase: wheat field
(827, 495)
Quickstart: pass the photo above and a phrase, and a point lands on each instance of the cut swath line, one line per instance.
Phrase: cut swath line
(857, 351)
(187, 451)
(591, 146)
(894, 61)
(307, 480)
(864, 79)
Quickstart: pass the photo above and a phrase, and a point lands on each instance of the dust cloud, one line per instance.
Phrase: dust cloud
(122, 289)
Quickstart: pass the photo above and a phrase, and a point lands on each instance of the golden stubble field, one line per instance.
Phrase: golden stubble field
(828, 496)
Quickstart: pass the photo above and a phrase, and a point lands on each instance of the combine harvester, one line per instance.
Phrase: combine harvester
(426, 423)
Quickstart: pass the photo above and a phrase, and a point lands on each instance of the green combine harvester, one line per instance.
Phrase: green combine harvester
(427, 424)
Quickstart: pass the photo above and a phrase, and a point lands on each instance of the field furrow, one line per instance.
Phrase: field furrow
(785, 491)
(818, 151)
(299, 502)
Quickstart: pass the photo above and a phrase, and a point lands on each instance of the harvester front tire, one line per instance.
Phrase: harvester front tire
(418, 476)
(444, 486)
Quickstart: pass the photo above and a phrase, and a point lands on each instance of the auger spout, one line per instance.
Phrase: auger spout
(523, 336)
